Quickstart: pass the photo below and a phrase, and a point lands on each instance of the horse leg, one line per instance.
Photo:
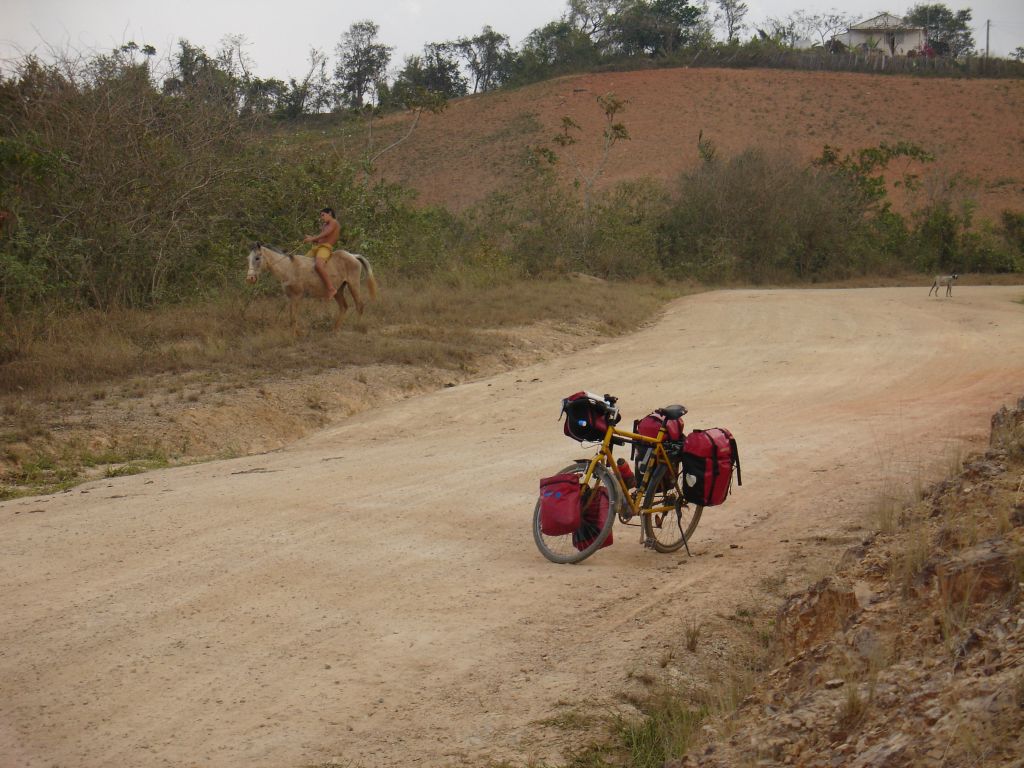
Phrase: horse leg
(342, 306)
(293, 313)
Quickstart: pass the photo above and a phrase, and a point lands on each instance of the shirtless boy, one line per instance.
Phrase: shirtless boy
(324, 242)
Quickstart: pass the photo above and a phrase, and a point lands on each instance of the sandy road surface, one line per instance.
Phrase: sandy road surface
(373, 594)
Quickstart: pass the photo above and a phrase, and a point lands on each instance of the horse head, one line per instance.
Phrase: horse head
(255, 263)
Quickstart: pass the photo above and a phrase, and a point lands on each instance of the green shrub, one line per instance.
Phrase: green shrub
(623, 230)
(765, 218)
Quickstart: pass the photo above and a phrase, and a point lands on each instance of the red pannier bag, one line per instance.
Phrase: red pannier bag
(707, 461)
(587, 417)
(560, 504)
(651, 424)
(593, 520)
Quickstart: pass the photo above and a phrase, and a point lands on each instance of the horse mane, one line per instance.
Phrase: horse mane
(277, 250)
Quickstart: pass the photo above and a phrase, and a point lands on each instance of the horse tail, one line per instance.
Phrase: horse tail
(371, 281)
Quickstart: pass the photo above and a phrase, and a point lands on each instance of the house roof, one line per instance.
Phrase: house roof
(883, 21)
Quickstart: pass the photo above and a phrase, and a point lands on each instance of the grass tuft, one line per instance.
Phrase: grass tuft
(667, 730)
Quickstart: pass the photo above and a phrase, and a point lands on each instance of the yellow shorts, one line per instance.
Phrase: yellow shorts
(321, 251)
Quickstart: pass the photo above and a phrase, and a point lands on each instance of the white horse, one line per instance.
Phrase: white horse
(946, 280)
(298, 278)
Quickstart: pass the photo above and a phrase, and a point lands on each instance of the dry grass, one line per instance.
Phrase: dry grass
(667, 730)
(692, 636)
(54, 371)
(446, 326)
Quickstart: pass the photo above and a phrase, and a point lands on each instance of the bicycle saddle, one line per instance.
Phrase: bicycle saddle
(673, 411)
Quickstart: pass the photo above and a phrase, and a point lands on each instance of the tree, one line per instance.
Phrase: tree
(256, 95)
(437, 71)
(362, 63)
(558, 45)
(655, 27)
(193, 70)
(309, 95)
(415, 99)
(948, 32)
(825, 26)
(593, 18)
(784, 32)
(731, 14)
(1018, 54)
(612, 133)
(489, 58)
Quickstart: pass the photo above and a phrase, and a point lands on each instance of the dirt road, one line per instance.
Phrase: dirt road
(373, 594)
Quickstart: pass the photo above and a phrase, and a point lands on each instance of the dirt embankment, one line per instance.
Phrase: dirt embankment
(912, 653)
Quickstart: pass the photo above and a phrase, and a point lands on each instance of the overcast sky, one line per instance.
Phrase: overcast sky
(281, 33)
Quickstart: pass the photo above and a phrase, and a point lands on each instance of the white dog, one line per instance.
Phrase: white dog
(946, 280)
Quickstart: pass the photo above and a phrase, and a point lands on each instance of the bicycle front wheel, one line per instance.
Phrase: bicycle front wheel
(668, 520)
(580, 544)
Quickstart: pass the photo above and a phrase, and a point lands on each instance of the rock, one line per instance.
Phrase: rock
(884, 754)
(809, 618)
(976, 574)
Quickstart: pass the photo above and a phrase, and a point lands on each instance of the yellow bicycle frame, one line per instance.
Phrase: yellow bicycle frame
(605, 456)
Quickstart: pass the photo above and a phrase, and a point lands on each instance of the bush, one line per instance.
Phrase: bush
(938, 236)
(623, 226)
(534, 221)
(766, 218)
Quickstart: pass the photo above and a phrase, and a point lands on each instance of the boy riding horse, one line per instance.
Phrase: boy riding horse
(330, 231)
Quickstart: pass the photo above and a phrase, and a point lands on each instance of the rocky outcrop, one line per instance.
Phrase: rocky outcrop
(810, 617)
(923, 663)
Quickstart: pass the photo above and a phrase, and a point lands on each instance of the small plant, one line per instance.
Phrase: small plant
(910, 563)
(705, 148)
(852, 710)
(692, 636)
(667, 730)
(953, 618)
(954, 459)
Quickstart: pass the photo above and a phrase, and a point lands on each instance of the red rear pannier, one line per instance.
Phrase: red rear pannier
(593, 520)
(560, 504)
(707, 461)
(651, 424)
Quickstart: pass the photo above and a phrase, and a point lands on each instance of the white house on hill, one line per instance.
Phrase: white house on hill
(887, 34)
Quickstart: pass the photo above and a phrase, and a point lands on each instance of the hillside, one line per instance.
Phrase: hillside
(971, 126)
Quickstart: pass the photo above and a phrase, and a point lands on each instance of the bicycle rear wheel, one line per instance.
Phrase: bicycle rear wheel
(580, 544)
(674, 520)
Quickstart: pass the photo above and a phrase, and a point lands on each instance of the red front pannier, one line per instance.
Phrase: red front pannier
(560, 504)
(593, 520)
(707, 460)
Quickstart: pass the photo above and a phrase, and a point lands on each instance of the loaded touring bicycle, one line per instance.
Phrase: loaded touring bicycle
(670, 478)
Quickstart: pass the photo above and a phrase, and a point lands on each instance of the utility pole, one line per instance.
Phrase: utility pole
(988, 29)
